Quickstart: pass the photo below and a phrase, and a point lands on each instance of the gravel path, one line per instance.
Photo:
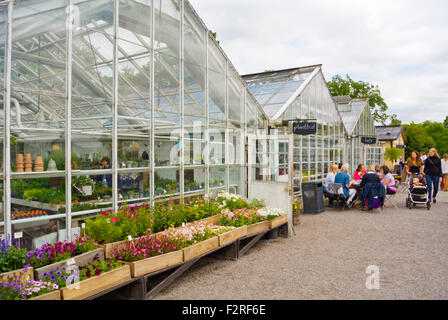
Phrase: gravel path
(328, 257)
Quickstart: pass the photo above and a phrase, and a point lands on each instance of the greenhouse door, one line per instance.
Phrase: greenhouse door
(270, 171)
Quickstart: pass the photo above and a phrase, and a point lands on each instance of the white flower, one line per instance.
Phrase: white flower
(270, 212)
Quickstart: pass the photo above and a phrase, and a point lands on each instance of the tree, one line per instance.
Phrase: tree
(439, 133)
(418, 139)
(394, 121)
(445, 123)
(360, 89)
(393, 154)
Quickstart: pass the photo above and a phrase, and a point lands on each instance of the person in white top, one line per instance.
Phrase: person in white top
(423, 157)
(331, 175)
(445, 172)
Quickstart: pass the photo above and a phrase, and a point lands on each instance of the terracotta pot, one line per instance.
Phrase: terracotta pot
(38, 164)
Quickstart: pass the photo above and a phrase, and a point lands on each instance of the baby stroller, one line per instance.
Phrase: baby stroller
(418, 194)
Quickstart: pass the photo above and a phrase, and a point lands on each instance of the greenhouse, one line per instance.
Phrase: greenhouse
(114, 101)
(361, 144)
(301, 94)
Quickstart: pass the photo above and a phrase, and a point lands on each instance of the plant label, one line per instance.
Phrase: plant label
(71, 261)
(83, 226)
(130, 238)
(18, 235)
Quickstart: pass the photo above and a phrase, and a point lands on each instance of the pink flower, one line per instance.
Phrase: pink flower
(114, 219)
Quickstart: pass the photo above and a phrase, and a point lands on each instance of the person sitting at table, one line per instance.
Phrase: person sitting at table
(331, 175)
(360, 171)
(388, 180)
(343, 178)
(378, 170)
(370, 177)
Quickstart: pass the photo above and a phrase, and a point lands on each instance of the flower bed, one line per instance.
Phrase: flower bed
(275, 216)
(52, 256)
(23, 275)
(13, 262)
(92, 284)
(150, 254)
(33, 290)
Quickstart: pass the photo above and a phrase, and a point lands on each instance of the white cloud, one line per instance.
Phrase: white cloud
(400, 45)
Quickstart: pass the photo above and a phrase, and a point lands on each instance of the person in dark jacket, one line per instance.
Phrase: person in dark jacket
(369, 177)
(433, 171)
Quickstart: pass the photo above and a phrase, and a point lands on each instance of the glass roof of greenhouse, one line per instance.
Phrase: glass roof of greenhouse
(273, 89)
(39, 58)
(351, 112)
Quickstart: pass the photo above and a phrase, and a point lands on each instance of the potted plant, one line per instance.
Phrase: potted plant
(84, 185)
(131, 194)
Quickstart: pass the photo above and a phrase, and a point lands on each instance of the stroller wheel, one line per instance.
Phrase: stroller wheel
(408, 203)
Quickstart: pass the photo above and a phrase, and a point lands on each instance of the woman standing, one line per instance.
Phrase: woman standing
(414, 164)
(433, 171)
(445, 172)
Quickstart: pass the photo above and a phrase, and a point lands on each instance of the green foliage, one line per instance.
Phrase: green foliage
(103, 230)
(18, 187)
(445, 123)
(13, 259)
(360, 89)
(393, 154)
(214, 35)
(82, 181)
(59, 157)
(394, 121)
(422, 137)
(45, 195)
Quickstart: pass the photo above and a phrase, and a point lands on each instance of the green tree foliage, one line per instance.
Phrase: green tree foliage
(445, 123)
(439, 133)
(394, 121)
(393, 154)
(359, 89)
(418, 139)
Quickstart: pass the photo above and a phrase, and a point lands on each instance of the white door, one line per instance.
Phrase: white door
(270, 171)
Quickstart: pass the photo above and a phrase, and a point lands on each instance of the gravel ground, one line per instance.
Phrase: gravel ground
(328, 257)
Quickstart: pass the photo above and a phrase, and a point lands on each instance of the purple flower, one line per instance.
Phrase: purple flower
(44, 274)
(52, 278)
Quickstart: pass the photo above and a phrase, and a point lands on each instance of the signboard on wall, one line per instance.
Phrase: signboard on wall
(304, 128)
(400, 146)
(368, 140)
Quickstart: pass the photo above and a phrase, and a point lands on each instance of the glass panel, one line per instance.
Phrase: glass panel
(166, 182)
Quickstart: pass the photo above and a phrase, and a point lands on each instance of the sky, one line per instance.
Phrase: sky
(400, 45)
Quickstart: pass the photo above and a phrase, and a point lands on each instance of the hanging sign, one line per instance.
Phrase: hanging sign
(400, 146)
(368, 140)
(304, 128)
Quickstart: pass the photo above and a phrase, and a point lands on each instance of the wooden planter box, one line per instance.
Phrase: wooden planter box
(80, 260)
(232, 235)
(257, 228)
(200, 248)
(278, 221)
(54, 295)
(94, 285)
(153, 264)
(109, 248)
(26, 275)
(213, 219)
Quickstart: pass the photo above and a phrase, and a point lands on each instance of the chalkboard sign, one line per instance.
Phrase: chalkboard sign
(304, 128)
(368, 140)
